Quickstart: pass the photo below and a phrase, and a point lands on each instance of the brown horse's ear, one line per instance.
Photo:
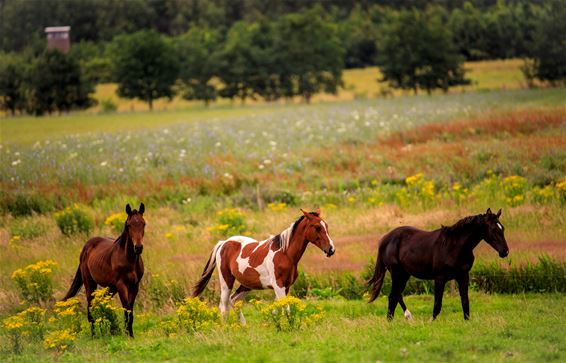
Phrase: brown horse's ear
(306, 214)
(488, 211)
(318, 211)
(128, 209)
(142, 209)
(498, 213)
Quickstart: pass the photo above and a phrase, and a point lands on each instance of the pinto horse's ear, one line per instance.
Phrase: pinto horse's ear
(318, 211)
(128, 209)
(142, 209)
(498, 213)
(488, 211)
(306, 214)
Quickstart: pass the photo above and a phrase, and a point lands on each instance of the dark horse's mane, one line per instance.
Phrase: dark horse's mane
(461, 225)
(277, 239)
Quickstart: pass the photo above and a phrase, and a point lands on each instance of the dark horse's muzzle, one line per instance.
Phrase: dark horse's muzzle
(138, 249)
(504, 253)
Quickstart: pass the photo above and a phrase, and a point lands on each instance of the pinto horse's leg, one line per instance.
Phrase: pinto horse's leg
(439, 284)
(240, 293)
(463, 282)
(226, 285)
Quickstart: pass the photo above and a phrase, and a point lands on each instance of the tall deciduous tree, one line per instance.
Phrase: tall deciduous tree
(198, 55)
(145, 66)
(12, 74)
(416, 51)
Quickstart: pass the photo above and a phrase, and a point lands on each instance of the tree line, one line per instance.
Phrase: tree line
(299, 53)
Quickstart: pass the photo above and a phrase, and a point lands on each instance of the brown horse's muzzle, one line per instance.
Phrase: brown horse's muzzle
(138, 249)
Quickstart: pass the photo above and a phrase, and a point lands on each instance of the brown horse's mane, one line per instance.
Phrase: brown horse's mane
(283, 243)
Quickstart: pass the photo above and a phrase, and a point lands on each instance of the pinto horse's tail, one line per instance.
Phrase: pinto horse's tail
(76, 285)
(207, 272)
(376, 281)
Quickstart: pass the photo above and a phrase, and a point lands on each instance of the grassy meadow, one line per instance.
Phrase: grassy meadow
(370, 164)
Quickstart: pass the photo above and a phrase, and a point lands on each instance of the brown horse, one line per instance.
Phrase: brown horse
(116, 264)
(441, 255)
(269, 264)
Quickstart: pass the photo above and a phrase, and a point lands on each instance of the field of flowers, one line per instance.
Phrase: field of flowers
(371, 165)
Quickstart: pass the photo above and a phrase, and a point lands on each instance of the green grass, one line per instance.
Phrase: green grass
(516, 328)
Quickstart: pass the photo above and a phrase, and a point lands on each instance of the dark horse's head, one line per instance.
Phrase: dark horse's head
(494, 232)
(135, 225)
(317, 232)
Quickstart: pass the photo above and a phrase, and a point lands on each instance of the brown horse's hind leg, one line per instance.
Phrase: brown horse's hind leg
(90, 286)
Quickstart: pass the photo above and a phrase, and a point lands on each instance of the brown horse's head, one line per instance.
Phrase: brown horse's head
(494, 232)
(316, 232)
(135, 225)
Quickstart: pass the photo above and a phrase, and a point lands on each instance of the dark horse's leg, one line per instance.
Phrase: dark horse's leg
(463, 282)
(399, 281)
(406, 311)
(439, 284)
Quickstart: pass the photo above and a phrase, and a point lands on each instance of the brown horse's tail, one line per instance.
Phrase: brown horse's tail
(76, 285)
(207, 272)
(376, 281)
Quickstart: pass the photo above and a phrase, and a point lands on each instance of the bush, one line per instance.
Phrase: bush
(28, 324)
(289, 313)
(34, 281)
(194, 315)
(74, 220)
(27, 228)
(116, 221)
(104, 314)
(26, 204)
(107, 105)
(229, 222)
(60, 340)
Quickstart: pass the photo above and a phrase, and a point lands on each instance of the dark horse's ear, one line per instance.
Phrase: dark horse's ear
(142, 209)
(128, 209)
(498, 213)
(488, 211)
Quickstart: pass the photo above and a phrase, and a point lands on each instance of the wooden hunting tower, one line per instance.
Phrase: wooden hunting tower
(58, 38)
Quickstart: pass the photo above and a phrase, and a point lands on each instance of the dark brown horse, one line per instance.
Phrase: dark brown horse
(441, 255)
(116, 264)
(269, 264)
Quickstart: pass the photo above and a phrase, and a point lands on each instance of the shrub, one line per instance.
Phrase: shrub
(27, 228)
(289, 313)
(418, 190)
(60, 340)
(561, 187)
(229, 222)
(14, 329)
(28, 324)
(74, 220)
(116, 221)
(26, 204)
(514, 188)
(194, 315)
(276, 207)
(68, 314)
(34, 281)
(107, 105)
(104, 314)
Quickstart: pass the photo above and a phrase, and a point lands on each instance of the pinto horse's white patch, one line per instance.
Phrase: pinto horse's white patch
(500, 226)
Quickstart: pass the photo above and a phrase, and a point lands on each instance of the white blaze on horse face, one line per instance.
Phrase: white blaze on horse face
(500, 226)
(327, 235)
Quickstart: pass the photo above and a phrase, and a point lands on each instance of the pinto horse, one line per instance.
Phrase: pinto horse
(441, 255)
(269, 264)
(116, 264)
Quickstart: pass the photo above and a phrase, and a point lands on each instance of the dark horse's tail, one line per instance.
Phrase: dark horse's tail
(207, 272)
(376, 281)
(76, 285)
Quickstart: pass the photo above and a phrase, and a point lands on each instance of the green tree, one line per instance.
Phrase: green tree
(548, 48)
(57, 84)
(198, 54)
(468, 27)
(145, 66)
(311, 59)
(358, 36)
(12, 76)
(416, 51)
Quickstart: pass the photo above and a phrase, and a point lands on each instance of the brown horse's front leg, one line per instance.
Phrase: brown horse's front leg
(439, 284)
(132, 299)
(463, 282)
(124, 294)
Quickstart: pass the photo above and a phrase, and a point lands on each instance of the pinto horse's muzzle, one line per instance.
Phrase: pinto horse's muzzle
(138, 249)
(329, 251)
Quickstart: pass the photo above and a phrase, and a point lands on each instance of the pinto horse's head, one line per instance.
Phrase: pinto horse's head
(316, 232)
(494, 232)
(135, 226)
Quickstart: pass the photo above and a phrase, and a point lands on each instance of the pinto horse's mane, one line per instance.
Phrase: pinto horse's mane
(283, 239)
